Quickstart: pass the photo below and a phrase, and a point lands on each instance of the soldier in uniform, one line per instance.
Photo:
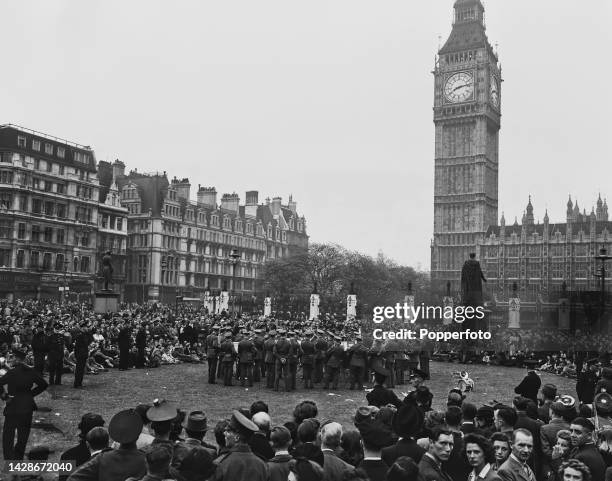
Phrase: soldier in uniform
(39, 347)
(19, 405)
(125, 343)
(269, 359)
(296, 353)
(81, 352)
(389, 356)
(141, 345)
(259, 370)
(357, 359)
(308, 359)
(321, 347)
(239, 463)
(228, 354)
(334, 359)
(212, 353)
(246, 356)
(282, 352)
(380, 396)
(56, 355)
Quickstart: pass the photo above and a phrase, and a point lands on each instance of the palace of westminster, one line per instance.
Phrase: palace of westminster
(538, 259)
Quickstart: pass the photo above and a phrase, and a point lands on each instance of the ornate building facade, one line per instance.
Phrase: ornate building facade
(50, 217)
(467, 112)
(541, 257)
(183, 247)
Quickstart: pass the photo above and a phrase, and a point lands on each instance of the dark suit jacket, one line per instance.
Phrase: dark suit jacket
(512, 470)
(19, 381)
(261, 447)
(404, 447)
(529, 386)
(590, 456)
(381, 396)
(79, 453)
(112, 465)
(334, 468)
(376, 469)
(430, 471)
(278, 467)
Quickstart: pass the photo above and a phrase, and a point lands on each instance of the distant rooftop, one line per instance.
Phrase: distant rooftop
(46, 136)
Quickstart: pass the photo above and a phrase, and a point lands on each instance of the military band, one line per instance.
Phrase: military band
(280, 358)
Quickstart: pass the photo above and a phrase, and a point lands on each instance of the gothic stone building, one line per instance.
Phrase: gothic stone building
(467, 112)
(540, 257)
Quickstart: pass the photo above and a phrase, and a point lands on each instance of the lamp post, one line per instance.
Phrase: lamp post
(234, 259)
(603, 257)
(66, 262)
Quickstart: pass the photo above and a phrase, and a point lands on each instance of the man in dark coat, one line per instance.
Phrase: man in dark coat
(471, 282)
(334, 361)
(258, 369)
(141, 345)
(282, 350)
(39, 348)
(529, 386)
(308, 359)
(19, 405)
(358, 358)
(125, 343)
(212, 353)
(246, 358)
(81, 353)
(269, 359)
(321, 346)
(407, 422)
(296, 353)
(56, 343)
(441, 444)
(585, 383)
(80, 453)
(227, 354)
(380, 396)
(581, 435)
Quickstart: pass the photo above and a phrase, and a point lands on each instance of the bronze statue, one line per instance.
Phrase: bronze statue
(107, 270)
(471, 282)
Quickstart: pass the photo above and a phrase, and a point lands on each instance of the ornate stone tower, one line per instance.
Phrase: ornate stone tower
(467, 111)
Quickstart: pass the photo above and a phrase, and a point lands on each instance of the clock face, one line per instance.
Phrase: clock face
(459, 87)
(494, 90)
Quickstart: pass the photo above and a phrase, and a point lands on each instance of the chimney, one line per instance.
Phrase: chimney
(250, 209)
(183, 188)
(292, 205)
(230, 202)
(275, 206)
(118, 169)
(207, 196)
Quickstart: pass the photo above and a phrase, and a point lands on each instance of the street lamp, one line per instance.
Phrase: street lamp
(603, 257)
(234, 259)
(66, 263)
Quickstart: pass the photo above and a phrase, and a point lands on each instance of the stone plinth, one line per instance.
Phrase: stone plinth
(106, 301)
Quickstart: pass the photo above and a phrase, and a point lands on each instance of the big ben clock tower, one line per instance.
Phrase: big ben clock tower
(467, 111)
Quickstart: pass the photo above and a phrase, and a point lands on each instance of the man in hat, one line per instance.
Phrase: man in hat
(334, 358)
(296, 353)
(375, 436)
(308, 358)
(228, 354)
(269, 359)
(195, 429)
(240, 464)
(20, 382)
(246, 356)
(282, 351)
(39, 347)
(162, 415)
(407, 423)
(121, 463)
(358, 358)
(212, 353)
(259, 371)
(581, 436)
(56, 343)
(321, 347)
(81, 352)
(80, 453)
(380, 396)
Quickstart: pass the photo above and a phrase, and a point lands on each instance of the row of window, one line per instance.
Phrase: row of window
(45, 261)
(49, 149)
(111, 222)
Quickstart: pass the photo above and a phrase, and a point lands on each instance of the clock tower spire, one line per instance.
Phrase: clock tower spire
(467, 113)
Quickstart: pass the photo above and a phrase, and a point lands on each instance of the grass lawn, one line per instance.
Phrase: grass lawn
(186, 386)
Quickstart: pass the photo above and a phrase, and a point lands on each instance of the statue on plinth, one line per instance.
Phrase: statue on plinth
(107, 270)
(471, 282)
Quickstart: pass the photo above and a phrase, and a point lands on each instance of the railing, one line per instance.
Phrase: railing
(46, 136)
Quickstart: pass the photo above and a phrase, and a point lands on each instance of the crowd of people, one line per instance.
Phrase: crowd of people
(544, 435)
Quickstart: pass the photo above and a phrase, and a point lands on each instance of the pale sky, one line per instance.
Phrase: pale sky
(330, 101)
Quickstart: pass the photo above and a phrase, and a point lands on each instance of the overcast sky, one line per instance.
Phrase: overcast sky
(330, 101)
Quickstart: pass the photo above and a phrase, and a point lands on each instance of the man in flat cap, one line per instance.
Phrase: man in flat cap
(240, 464)
(121, 463)
(20, 382)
